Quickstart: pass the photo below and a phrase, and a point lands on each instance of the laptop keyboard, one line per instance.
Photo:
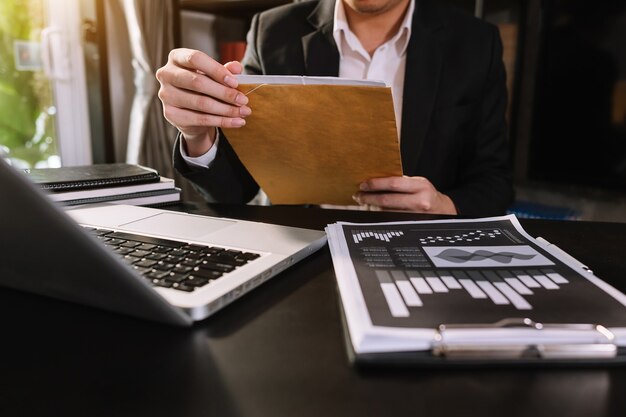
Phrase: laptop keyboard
(173, 264)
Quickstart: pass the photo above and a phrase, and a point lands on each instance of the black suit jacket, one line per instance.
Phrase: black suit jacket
(453, 119)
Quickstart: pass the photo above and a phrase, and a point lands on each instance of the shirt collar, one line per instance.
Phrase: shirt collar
(400, 39)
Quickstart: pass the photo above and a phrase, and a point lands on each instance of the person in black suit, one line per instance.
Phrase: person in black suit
(454, 150)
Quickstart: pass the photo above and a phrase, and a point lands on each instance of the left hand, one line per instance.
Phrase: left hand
(416, 194)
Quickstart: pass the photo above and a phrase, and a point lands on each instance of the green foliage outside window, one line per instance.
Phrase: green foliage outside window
(26, 106)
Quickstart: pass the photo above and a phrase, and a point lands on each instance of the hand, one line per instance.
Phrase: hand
(198, 95)
(404, 193)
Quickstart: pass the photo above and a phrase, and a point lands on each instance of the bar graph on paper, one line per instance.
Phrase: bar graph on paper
(408, 273)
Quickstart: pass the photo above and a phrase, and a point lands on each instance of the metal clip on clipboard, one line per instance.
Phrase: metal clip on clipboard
(603, 349)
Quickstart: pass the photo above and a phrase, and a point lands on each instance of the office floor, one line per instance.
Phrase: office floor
(588, 203)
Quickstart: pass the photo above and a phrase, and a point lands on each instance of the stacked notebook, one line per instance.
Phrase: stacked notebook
(99, 183)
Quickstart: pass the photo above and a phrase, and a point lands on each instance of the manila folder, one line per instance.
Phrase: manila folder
(314, 144)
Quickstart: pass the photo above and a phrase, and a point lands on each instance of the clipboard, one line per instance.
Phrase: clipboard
(487, 333)
(605, 353)
(313, 140)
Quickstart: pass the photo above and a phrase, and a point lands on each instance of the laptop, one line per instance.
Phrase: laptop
(160, 265)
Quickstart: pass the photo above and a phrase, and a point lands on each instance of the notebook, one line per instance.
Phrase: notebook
(164, 266)
(91, 176)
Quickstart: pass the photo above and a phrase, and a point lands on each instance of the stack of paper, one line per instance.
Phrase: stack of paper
(481, 286)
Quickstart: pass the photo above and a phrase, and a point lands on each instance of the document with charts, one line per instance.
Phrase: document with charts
(399, 282)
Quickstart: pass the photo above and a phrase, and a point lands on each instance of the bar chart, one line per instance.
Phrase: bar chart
(422, 275)
(404, 289)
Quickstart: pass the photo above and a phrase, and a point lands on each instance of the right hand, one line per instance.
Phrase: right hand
(199, 95)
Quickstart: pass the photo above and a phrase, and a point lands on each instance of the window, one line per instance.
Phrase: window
(43, 102)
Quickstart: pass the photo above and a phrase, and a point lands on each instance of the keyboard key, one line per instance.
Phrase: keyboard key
(213, 250)
(155, 274)
(179, 252)
(163, 283)
(123, 251)
(181, 269)
(162, 249)
(164, 266)
(195, 255)
(222, 267)
(248, 256)
(205, 273)
(101, 232)
(174, 277)
(156, 256)
(196, 281)
(147, 239)
(184, 287)
(140, 253)
(145, 246)
(174, 259)
(130, 244)
(141, 270)
(191, 262)
(145, 263)
(194, 248)
(228, 260)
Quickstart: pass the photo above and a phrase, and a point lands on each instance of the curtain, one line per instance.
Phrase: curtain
(150, 139)
(150, 30)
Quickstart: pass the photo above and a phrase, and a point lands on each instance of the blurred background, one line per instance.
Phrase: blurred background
(77, 87)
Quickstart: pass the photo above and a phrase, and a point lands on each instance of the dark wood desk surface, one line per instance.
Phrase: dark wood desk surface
(278, 351)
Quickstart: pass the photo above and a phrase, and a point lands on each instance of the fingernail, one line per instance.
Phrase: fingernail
(245, 111)
(364, 186)
(231, 81)
(238, 122)
(355, 197)
(241, 99)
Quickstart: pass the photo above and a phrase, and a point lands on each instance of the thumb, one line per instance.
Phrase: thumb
(234, 67)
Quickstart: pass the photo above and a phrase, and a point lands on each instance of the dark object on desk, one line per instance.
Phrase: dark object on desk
(471, 291)
(91, 176)
(150, 275)
(279, 352)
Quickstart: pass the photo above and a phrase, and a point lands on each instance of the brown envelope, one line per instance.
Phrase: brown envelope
(314, 144)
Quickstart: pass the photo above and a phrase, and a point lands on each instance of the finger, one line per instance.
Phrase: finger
(419, 203)
(395, 184)
(200, 103)
(199, 61)
(186, 120)
(234, 67)
(196, 82)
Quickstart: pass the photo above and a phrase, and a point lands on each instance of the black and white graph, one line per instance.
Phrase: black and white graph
(485, 256)
(413, 274)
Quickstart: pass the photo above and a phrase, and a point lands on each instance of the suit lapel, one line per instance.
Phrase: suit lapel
(423, 69)
(421, 81)
(321, 57)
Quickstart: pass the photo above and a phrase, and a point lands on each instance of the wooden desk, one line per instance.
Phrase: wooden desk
(278, 351)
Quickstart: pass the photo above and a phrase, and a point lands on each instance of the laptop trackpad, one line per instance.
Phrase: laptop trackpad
(178, 226)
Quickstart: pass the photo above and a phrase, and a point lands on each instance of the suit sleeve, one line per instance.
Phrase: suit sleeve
(226, 180)
(487, 180)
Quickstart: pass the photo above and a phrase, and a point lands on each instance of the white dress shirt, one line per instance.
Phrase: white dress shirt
(386, 64)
